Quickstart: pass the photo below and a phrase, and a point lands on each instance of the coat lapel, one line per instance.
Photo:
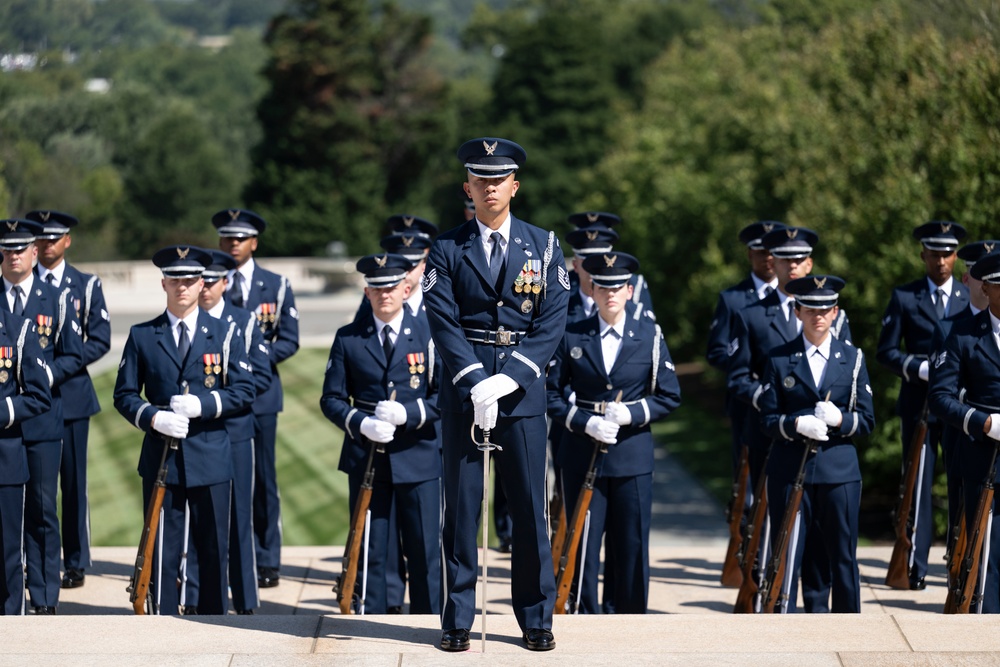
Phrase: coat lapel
(592, 347)
(165, 339)
(203, 343)
(959, 299)
(926, 304)
(987, 345)
(373, 344)
(800, 368)
(519, 251)
(836, 366)
(474, 254)
(631, 344)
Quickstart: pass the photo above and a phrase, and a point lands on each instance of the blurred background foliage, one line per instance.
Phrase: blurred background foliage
(690, 118)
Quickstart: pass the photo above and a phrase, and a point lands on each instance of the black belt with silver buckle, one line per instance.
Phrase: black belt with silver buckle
(598, 407)
(500, 337)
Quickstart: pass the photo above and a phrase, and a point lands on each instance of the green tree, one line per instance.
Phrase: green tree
(351, 122)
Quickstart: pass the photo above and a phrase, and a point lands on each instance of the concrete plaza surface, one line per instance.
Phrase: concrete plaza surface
(689, 624)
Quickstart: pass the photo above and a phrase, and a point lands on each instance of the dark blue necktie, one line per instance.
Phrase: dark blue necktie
(18, 308)
(939, 303)
(387, 345)
(496, 257)
(236, 293)
(183, 342)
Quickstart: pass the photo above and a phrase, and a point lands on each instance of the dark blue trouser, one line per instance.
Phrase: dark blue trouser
(831, 510)
(41, 522)
(11, 546)
(621, 511)
(75, 503)
(266, 499)
(209, 508)
(521, 464)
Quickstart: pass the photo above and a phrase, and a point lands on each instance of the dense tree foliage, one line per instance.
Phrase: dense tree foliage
(354, 122)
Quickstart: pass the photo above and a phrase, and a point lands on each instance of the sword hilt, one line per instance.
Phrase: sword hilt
(485, 445)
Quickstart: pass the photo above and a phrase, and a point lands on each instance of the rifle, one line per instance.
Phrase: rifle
(980, 533)
(956, 549)
(750, 587)
(566, 565)
(732, 574)
(776, 570)
(898, 575)
(345, 584)
(138, 586)
(557, 515)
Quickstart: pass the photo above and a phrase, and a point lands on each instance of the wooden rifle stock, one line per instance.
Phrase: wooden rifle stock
(777, 569)
(732, 574)
(558, 513)
(345, 585)
(898, 574)
(751, 546)
(964, 589)
(957, 548)
(566, 567)
(138, 588)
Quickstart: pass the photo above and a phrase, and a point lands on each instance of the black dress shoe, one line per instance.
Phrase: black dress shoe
(73, 578)
(455, 640)
(918, 584)
(244, 612)
(506, 544)
(267, 577)
(538, 639)
(189, 610)
(394, 610)
(44, 611)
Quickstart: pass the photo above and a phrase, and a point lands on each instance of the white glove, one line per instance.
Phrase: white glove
(187, 405)
(391, 411)
(485, 416)
(492, 389)
(829, 413)
(602, 430)
(924, 371)
(811, 427)
(572, 398)
(617, 413)
(377, 430)
(170, 424)
(994, 427)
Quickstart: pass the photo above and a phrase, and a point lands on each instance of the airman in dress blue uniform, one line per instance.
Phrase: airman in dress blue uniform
(953, 441)
(816, 389)
(381, 390)
(904, 347)
(496, 290)
(92, 312)
(58, 332)
(965, 393)
(761, 282)
(640, 287)
(410, 237)
(24, 393)
(269, 296)
(623, 379)
(182, 375)
(756, 330)
(240, 426)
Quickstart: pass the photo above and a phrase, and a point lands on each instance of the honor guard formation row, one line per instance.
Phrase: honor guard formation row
(477, 347)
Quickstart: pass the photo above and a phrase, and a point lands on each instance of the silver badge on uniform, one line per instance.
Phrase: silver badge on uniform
(414, 381)
(788, 382)
(576, 352)
(526, 306)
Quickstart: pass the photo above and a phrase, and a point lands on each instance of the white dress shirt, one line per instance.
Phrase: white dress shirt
(611, 341)
(818, 358)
